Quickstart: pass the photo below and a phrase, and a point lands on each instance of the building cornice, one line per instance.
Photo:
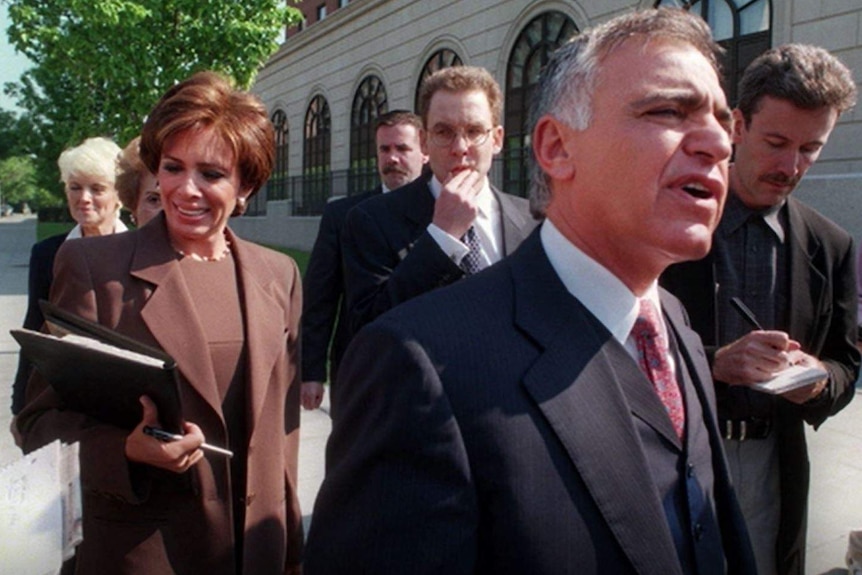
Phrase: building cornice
(314, 32)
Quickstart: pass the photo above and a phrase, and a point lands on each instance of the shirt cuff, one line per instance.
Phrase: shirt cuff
(454, 249)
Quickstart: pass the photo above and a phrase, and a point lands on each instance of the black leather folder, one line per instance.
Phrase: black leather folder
(100, 372)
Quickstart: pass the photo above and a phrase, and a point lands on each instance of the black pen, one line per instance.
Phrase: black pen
(746, 313)
(163, 435)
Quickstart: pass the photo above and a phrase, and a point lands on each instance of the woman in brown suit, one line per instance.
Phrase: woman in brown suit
(228, 312)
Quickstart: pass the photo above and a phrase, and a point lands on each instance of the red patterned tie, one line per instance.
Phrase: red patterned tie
(653, 360)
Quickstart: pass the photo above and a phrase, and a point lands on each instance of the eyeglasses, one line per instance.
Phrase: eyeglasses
(444, 136)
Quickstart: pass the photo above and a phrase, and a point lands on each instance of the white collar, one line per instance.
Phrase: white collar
(601, 292)
(78, 232)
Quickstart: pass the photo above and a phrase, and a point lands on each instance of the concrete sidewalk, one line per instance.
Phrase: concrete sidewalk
(836, 449)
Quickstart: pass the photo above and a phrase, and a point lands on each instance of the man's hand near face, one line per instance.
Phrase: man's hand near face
(455, 209)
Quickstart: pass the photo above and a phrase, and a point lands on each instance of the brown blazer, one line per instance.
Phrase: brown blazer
(138, 519)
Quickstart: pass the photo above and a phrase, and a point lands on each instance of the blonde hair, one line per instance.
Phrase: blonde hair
(93, 157)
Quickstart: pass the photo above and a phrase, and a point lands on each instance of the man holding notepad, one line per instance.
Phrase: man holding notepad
(791, 273)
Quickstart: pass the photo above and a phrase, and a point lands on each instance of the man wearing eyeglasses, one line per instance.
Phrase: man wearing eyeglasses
(435, 230)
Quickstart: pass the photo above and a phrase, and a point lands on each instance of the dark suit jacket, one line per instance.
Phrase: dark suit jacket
(141, 520)
(323, 289)
(41, 274)
(822, 318)
(492, 427)
(389, 257)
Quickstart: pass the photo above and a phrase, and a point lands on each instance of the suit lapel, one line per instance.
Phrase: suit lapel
(692, 363)
(266, 335)
(155, 262)
(805, 279)
(640, 394)
(578, 383)
(515, 224)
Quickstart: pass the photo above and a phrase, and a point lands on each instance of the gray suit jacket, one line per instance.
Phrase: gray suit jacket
(495, 426)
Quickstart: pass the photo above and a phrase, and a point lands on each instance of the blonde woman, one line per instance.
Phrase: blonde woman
(88, 172)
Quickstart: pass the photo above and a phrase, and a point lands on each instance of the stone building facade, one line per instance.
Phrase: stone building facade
(352, 60)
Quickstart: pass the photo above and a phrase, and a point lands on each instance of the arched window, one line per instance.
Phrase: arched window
(277, 186)
(440, 59)
(742, 27)
(316, 174)
(539, 38)
(369, 103)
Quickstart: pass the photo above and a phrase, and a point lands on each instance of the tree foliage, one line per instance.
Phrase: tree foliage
(100, 65)
(19, 186)
(11, 134)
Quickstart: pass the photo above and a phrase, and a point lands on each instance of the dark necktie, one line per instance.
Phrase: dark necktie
(472, 262)
(653, 360)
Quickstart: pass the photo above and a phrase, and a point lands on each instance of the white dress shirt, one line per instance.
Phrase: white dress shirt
(601, 292)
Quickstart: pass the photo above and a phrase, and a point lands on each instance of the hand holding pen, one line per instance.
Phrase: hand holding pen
(167, 437)
(177, 456)
(754, 357)
(758, 355)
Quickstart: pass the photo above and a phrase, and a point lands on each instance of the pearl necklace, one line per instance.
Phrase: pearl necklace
(225, 253)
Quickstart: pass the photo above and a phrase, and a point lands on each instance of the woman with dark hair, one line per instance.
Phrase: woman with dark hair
(228, 312)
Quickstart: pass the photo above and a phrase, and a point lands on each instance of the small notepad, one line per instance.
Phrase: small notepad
(793, 377)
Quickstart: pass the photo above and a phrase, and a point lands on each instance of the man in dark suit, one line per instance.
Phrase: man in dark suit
(439, 228)
(503, 424)
(399, 161)
(795, 270)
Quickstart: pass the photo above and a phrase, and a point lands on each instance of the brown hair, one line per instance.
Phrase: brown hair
(462, 79)
(806, 76)
(208, 100)
(130, 168)
(398, 118)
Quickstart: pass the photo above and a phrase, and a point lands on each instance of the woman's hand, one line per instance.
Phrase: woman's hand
(177, 456)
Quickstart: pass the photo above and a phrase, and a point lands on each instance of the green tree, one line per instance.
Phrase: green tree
(19, 186)
(12, 134)
(100, 65)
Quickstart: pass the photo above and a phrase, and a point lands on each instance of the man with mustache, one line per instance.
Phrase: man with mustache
(796, 270)
(440, 228)
(400, 160)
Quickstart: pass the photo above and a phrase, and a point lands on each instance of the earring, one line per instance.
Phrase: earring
(239, 208)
